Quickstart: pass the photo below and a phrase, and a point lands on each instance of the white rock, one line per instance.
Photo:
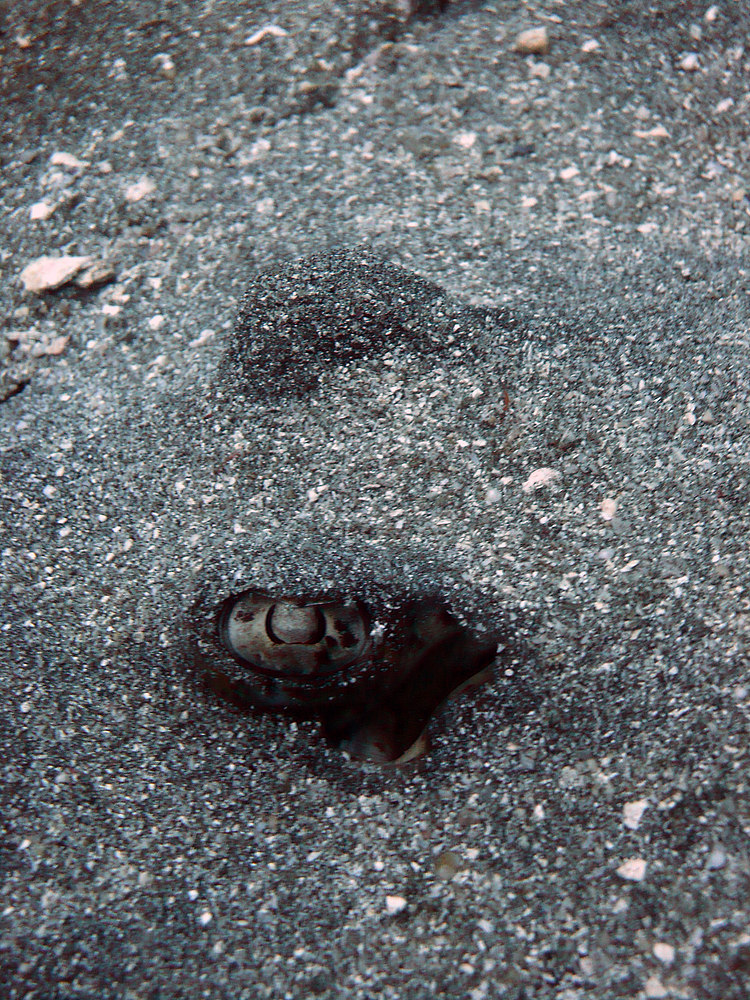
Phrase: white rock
(568, 173)
(689, 62)
(590, 45)
(67, 160)
(539, 478)
(540, 70)
(608, 508)
(655, 989)
(632, 870)
(99, 273)
(465, 139)
(203, 338)
(165, 65)
(394, 905)
(716, 859)
(56, 346)
(47, 273)
(632, 813)
(711, 14)
(40, 211)
(140, 189)
(664, 952)
(534, 41)
(156, 322)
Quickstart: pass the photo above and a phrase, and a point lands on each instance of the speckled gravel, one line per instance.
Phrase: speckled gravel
(494, 344)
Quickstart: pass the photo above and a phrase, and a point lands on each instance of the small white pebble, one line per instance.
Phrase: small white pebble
(590, 45)
(156, 322)
(205, 918)
(534, 41)
(141, 189)
(165, 65)
(540, 70)
(394, 905)
(568, 173)
(633, 870)
(40, 211)
(664, 952)
(689, 62)
(716, 859)
(632, 813)
(608, 508)
(539, 478)
(654, 988)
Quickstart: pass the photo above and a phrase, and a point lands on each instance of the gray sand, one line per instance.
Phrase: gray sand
(493, 346)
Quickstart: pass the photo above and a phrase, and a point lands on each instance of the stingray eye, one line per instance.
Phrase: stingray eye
(286, 637)
(291, 624)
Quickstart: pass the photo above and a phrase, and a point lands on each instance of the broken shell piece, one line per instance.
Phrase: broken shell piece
(45, 274)
(98, 273)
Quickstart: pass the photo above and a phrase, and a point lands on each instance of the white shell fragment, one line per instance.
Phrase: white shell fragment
(47, 273)
(272, 30)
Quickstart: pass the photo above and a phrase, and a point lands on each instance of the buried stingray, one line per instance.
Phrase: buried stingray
(303, 515)
(366, 639)
(343, 512)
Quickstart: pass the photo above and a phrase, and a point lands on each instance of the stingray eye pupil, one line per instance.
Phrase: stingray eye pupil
(290, 624)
